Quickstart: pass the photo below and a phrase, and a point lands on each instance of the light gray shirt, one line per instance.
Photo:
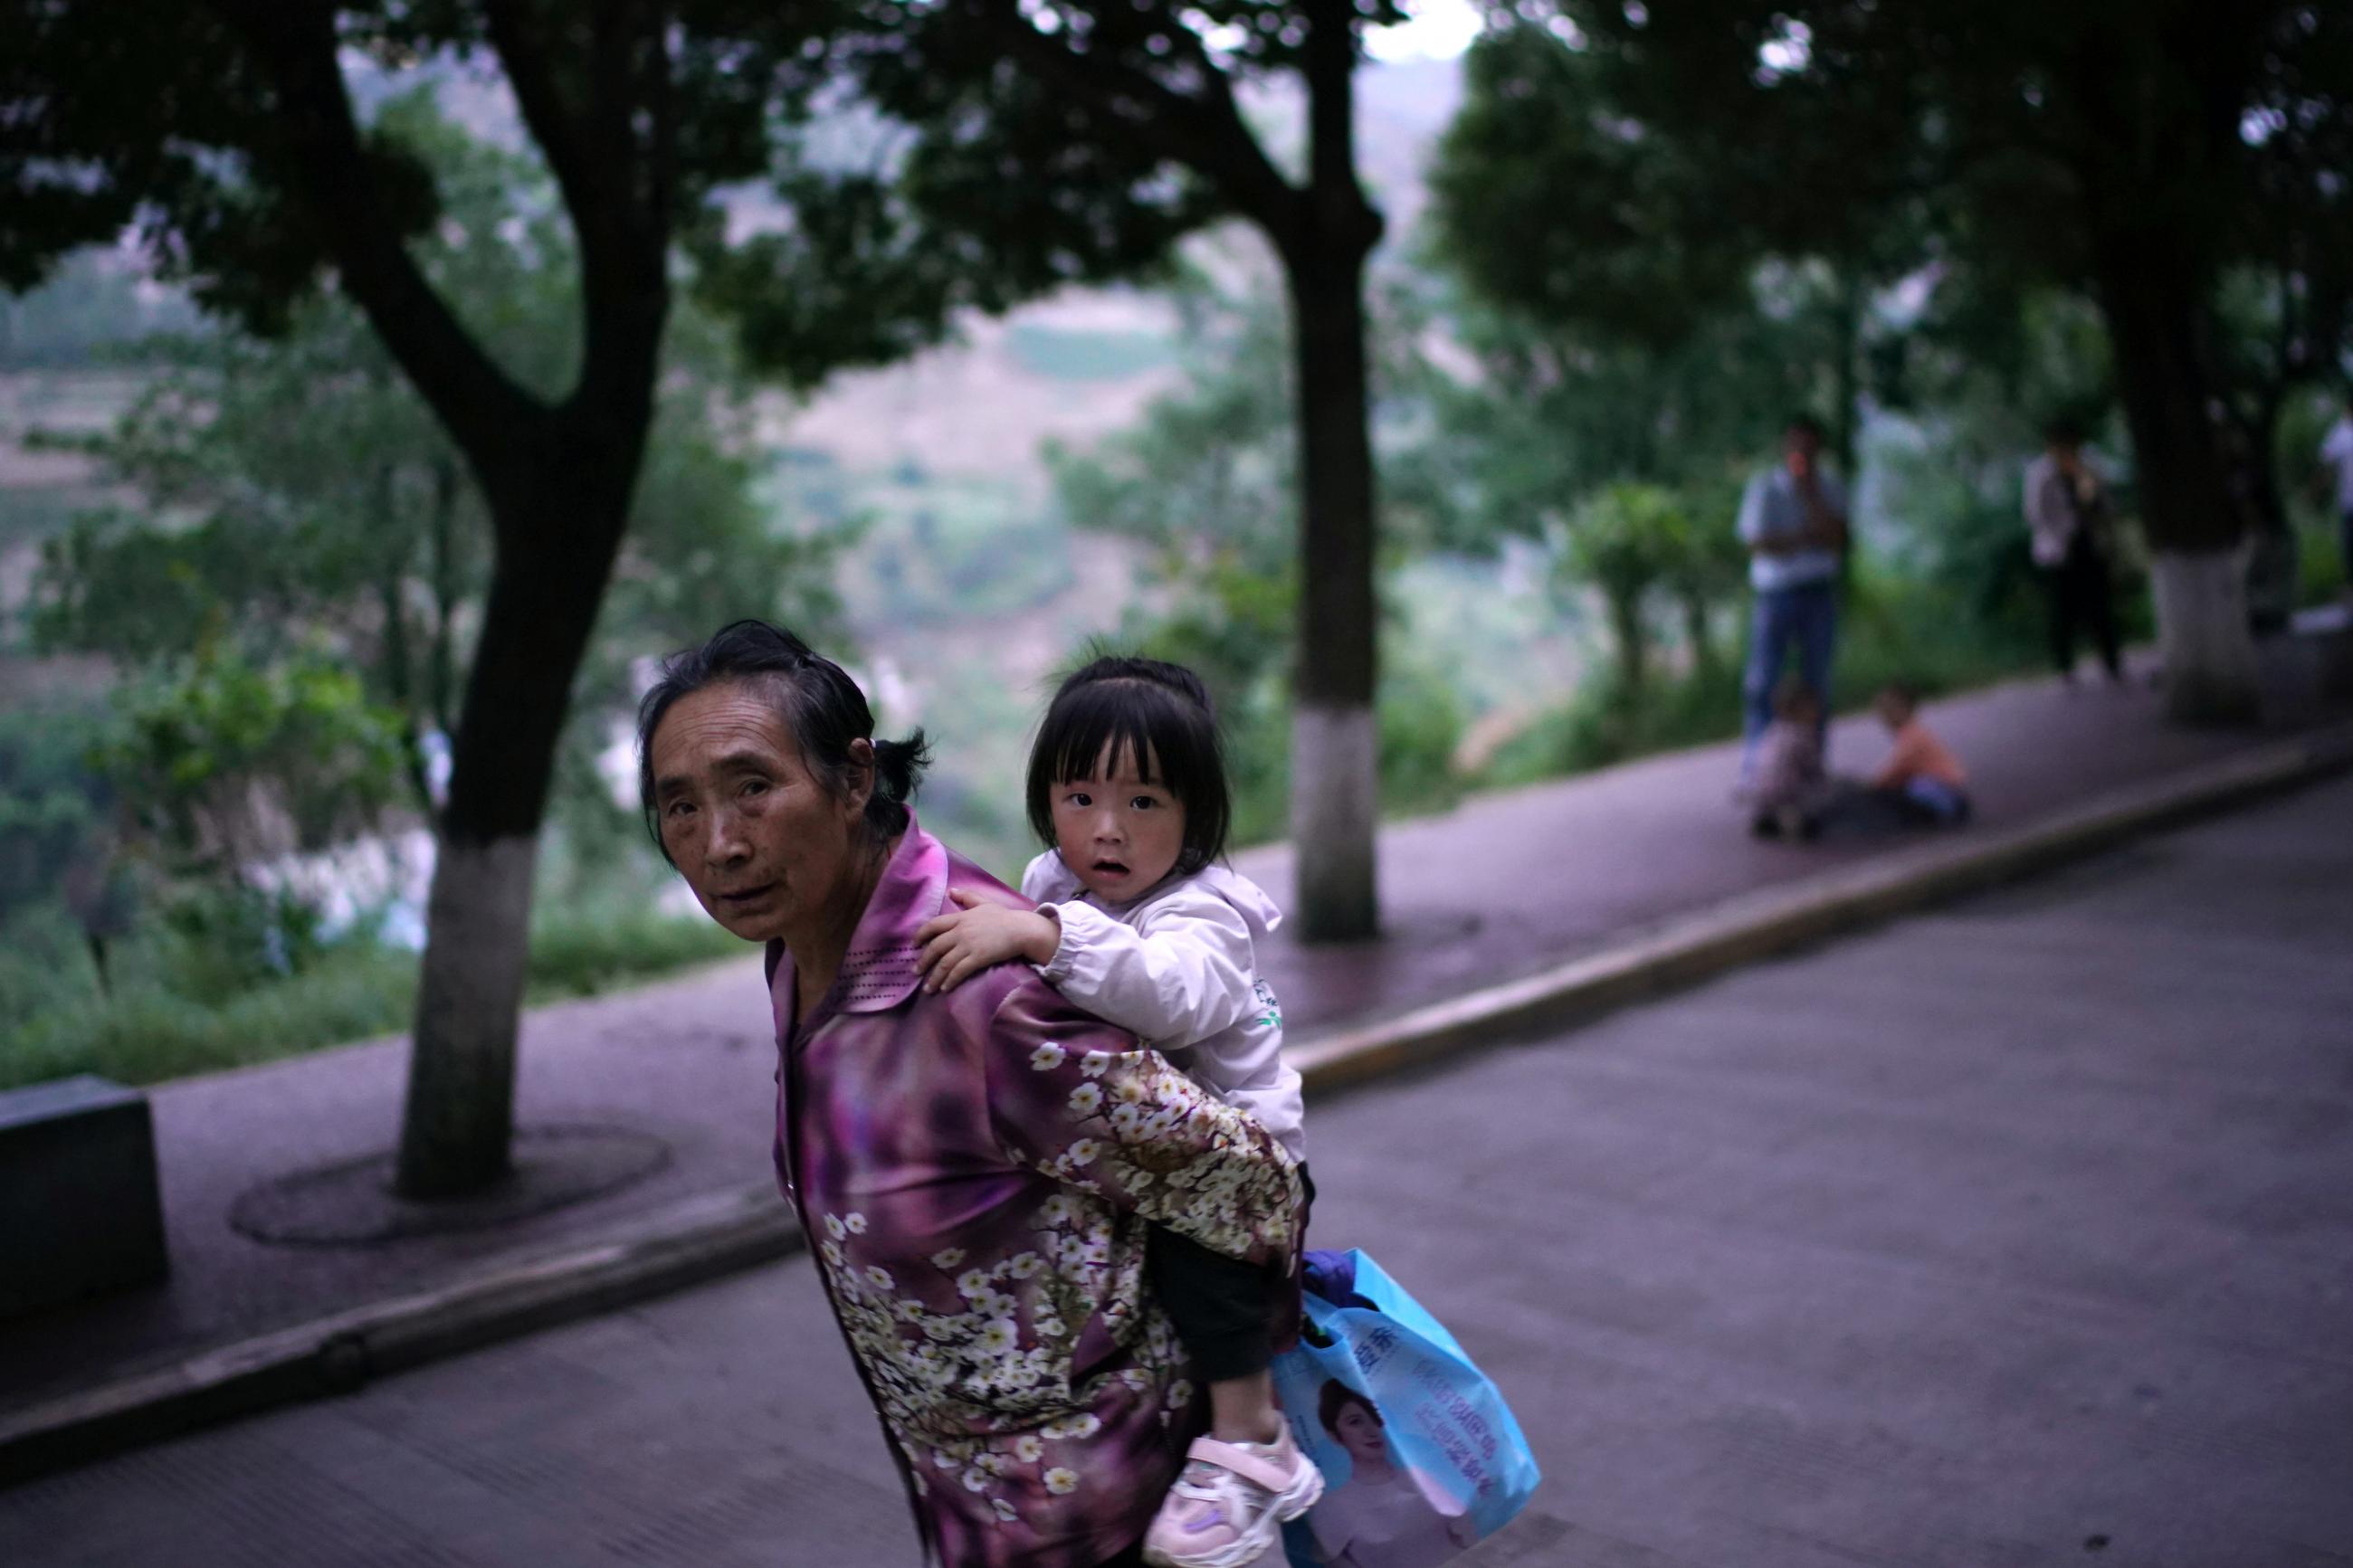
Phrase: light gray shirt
(1771, 507)
(2051, 515)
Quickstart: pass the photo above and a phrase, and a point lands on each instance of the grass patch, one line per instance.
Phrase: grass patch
(2320, 563)
(56, 1021)
(576, 954)
(143, 1032)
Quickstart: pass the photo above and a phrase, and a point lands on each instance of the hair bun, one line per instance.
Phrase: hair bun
(899, 767)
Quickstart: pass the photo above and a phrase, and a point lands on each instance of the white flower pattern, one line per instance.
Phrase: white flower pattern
(970, 1358)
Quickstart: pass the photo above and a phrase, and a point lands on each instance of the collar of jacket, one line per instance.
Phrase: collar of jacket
(878, 972)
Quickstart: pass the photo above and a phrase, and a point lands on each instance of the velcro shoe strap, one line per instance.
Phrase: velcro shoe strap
(1256, 1469)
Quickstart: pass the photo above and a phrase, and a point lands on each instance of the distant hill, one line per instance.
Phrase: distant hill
(979, 408)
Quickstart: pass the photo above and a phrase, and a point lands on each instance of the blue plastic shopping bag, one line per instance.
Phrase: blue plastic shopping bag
(1421, 1456)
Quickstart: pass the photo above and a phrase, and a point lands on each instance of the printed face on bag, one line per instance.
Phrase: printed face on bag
(1359, 1431)
(757, 836)
(1119, 830)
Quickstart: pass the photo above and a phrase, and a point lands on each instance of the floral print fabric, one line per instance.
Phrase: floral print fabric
(978, 1172)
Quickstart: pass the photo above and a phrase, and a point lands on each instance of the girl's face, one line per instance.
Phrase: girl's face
(1118, 832)
(1359, 1432)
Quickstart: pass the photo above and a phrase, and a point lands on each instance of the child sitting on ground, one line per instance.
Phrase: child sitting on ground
(1921, 777)
(1790, 790)
(1137, 923)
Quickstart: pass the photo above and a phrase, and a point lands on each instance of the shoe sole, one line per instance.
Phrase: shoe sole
(1249, 1548)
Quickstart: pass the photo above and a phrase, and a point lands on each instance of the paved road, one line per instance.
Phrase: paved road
(2017, 1234)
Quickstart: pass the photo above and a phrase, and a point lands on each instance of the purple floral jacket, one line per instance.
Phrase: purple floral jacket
(978, 1172)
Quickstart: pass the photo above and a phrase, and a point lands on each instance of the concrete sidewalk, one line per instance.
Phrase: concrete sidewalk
(2016, 1234)
(689, 1062)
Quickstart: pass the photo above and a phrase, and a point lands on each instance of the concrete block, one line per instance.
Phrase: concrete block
(80, 1210)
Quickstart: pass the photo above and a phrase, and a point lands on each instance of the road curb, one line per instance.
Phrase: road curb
(718, 1233)
(686, 1244)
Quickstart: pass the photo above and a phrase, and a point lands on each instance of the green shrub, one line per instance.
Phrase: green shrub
(587, 953)
(2320, 563)
(1420, 726)
(142, 1032)
(184, 1003)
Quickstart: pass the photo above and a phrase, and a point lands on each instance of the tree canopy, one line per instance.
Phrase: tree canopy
(229, 137)
(2142, 153)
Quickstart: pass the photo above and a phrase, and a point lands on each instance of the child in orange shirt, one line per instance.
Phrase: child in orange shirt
(1921, 777)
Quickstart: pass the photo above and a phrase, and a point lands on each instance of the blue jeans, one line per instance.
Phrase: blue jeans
(1804, 618)
(1933, 800)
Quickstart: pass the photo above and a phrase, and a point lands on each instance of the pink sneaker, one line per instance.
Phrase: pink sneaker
(1229, 1504)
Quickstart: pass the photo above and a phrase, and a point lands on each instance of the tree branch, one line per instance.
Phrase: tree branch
(579, 173)
(482, 407)
(610, 195)
(1208, 135)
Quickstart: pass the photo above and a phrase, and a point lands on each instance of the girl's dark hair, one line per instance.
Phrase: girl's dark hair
(821, 707)
(1159, 715)
(1337, 1394)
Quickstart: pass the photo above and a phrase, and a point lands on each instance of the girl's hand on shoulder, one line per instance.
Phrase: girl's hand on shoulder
(977, 935)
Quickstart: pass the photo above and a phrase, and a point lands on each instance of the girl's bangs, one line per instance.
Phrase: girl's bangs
(1105, 724)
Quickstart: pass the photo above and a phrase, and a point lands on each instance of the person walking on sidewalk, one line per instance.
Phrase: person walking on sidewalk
(1793, 519)
(972, 1165)
(2067, 517)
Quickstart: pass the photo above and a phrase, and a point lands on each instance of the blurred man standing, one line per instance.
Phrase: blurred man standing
(2067, 516)
(1793, 518)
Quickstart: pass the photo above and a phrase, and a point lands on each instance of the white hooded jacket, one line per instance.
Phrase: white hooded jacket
(1177, 968)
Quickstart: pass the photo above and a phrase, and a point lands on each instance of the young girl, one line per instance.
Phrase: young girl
(1138, 924)
(1791, 790)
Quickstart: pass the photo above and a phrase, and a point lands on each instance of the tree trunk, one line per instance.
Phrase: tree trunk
(1698, 634)
(1334, 751)
(2201, 618)
(593, 88)
(1633, 640)
(2194, 532)
(392, 593)
(441, 684)
(1335, 754)
(559, 524)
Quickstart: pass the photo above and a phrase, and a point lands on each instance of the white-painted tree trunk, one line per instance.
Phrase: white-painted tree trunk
(461, 1114)
(2202, 635)
(1335, 812)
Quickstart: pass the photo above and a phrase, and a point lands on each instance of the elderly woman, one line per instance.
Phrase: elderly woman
(978, 1167)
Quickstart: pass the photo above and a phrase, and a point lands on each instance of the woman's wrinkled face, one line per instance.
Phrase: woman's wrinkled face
(1359, 1432)
(1119, 832)
(765, 847)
